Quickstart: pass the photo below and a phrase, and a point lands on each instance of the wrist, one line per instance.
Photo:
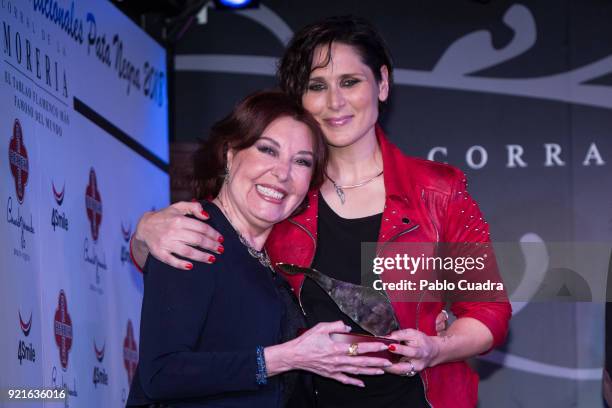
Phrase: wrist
(139, 250)
(278, 359)
(138, 246)
(138, 238)
(438, 345)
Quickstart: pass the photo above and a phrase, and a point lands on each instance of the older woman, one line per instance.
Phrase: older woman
(211, 338)
(340, 70)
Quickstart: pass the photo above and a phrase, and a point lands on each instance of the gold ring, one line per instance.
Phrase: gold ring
(352, 350)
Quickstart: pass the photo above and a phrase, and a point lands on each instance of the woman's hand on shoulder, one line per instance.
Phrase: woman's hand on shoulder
(442, 323)
(167, 232)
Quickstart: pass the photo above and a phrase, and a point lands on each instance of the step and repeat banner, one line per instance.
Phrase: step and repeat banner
(516, 94)
(84, 135)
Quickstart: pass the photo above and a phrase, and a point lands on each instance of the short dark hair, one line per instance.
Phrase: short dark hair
(241, 129)
(296, 64)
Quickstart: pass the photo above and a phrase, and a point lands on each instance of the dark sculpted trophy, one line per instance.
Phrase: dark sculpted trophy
(367, 307)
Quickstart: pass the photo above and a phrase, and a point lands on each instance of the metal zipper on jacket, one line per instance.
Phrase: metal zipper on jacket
(424, 373)
(396, 236)
(382, 248)
(424, 381)
(435, 251)
(314, 243)
(378, 253)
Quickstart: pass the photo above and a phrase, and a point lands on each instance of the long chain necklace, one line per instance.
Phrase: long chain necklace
(340, 189)
(261, 256)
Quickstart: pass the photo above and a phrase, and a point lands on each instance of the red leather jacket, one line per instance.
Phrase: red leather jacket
(432, 196)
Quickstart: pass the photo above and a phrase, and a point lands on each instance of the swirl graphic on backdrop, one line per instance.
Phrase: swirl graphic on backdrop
(452, 71)
(537, 262)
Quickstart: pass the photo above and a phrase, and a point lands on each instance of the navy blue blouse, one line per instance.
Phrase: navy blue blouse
(200, 329)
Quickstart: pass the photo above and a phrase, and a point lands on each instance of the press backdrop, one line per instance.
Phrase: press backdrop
(84, 140)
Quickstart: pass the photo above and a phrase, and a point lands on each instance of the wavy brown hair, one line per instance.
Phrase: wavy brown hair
(241, 129)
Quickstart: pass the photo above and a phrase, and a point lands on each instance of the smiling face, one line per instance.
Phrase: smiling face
(271, 178)
(343, 95)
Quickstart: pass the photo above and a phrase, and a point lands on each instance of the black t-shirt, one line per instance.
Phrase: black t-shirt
(338, 255)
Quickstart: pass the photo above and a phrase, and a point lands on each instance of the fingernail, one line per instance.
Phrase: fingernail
(189, 266)
(205, 214)
(211, 259)
(388, 364)
(384, 347)
(380, 372)
(220, 249)
(362, 385)
(392, 347)
(193, 200)
(220, 239)
(348, 328)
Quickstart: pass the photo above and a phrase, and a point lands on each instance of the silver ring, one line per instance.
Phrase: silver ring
(412, 371)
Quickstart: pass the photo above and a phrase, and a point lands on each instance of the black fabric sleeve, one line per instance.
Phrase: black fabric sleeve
(174, 310)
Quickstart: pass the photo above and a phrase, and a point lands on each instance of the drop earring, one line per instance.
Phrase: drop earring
(226, 176)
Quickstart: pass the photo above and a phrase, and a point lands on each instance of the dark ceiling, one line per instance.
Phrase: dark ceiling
(162, 19)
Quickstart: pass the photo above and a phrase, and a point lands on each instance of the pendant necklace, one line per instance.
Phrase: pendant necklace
(340, 189)
(261, 256)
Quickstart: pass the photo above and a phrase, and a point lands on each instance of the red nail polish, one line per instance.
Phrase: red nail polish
(220, 249)
(211, 259)
(392, 347)
(193, 200)
(189, 266)
(220, 239)
(205, 214)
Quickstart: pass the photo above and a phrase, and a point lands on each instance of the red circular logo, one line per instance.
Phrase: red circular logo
(130, 352)
(18, 160)
(63, 329)
(93, 203)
